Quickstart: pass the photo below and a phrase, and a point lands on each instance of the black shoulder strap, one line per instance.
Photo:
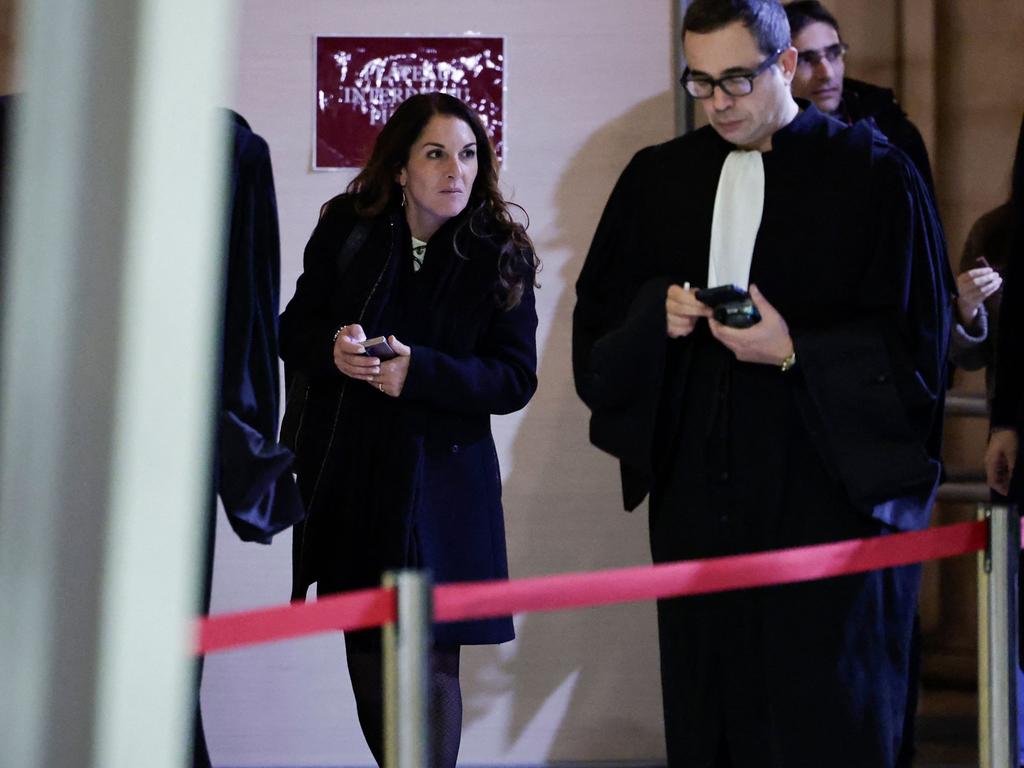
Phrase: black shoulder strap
(353, 243)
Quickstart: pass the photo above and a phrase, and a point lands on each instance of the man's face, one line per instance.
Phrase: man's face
(746, 121)
(821, 81)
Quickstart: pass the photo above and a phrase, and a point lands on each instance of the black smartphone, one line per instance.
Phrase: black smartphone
(732, 305)
(721, 294)
(378, 347)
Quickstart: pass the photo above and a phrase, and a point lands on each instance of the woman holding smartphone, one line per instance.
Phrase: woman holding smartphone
(394, 457)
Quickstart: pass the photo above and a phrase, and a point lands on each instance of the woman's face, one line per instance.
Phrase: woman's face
(439, 175)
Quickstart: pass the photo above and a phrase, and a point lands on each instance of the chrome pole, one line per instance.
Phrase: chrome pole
(406, 659)
(997, 641)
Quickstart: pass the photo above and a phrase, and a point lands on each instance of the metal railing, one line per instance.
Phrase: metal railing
(407, 644)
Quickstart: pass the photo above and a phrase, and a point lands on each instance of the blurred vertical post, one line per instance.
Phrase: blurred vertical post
(997, 638)
(113, 249)
(406, 662)
(685, 120)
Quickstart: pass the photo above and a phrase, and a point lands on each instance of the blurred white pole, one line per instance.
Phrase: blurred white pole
(112, 277)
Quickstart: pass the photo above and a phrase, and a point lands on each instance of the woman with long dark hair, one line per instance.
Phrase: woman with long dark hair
(395, 457)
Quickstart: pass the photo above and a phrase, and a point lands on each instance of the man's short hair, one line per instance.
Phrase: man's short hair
(804, 12)
(764, 19)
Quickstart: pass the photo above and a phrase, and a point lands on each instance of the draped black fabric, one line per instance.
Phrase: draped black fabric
(254, 477)
(1008, 399)
(864, 101)
(740, 457)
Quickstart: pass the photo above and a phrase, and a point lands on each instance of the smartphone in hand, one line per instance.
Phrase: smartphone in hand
(721, 294)
(378, 347)
(732, 305)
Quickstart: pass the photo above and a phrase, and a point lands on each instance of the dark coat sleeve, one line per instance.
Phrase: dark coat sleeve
(875, 383)
(501, 375)
(970, 347)
(619, 333)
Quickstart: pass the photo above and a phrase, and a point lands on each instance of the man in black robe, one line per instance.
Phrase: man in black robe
(821, 78)
(817, 424)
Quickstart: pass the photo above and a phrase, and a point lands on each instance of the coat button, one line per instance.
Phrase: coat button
(881, 378)
(455, 448)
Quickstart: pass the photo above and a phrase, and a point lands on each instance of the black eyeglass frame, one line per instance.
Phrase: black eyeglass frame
(750, 76)
(823, 53)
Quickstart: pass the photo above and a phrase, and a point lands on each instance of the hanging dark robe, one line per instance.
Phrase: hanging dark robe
(739, 457)
(253, 474)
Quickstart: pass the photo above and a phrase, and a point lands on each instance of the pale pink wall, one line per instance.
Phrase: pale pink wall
(589, 83)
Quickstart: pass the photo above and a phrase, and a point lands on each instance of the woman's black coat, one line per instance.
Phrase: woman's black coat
(414, 480)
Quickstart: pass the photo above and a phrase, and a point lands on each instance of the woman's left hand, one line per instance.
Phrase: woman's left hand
(392, 374)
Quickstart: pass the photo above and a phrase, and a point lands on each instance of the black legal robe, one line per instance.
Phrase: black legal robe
(740, 457)
(253, 471)
(864, 101)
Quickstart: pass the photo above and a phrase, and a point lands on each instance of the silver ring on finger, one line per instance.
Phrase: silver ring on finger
(380, 387)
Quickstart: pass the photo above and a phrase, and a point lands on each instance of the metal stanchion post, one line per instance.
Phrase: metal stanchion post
(997, 641)
(406, 659)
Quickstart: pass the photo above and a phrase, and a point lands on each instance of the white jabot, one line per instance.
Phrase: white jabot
(739, 204)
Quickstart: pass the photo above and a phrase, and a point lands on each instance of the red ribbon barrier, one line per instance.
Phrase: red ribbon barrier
(478, 600)
(351, 610)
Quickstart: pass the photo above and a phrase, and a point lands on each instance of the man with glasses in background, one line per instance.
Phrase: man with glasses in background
(805, 411)
(820, 77)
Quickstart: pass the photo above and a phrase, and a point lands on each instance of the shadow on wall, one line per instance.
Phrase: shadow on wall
(583, 684)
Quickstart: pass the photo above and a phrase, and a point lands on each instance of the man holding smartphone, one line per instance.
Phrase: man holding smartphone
(818, 422)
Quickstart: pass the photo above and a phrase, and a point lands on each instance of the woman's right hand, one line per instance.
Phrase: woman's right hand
(349, 357)
(974, 286)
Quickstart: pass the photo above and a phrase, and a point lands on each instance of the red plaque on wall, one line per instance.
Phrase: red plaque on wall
(360, 81)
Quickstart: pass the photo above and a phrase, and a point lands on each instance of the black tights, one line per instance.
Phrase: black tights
(444, 701)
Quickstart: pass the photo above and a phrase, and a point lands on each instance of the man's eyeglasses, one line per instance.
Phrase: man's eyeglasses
(735, 84)
(831, 54)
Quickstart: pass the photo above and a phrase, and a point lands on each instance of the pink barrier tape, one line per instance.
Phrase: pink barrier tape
(478, 600)
(348, 611)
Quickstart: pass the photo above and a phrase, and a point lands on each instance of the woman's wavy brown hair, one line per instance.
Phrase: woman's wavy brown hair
(486, 216)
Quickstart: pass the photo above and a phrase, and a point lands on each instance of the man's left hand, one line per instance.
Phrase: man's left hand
(767, 342)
